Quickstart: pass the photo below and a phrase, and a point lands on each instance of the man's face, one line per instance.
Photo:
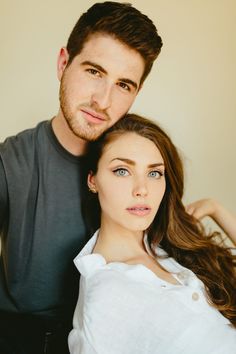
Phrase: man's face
(99, 86)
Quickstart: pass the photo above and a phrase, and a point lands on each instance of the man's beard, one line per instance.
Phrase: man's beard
(82, 129)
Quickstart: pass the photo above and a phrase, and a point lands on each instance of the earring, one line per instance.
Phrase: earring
(92, 190)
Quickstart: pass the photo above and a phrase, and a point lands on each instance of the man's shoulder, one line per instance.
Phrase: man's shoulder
(18, 152)
(25, 135)
(24, 141)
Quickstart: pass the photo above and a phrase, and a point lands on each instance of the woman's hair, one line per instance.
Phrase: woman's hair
(177, 232)
(122, 21)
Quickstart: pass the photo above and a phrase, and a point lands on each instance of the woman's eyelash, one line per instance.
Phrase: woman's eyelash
(121, 171)
(159, 172)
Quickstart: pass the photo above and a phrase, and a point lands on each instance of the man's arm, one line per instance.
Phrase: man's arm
(213, 209)
(3, 195)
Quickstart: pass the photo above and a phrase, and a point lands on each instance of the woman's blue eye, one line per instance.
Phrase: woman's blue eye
(155, 174)
(121, 172)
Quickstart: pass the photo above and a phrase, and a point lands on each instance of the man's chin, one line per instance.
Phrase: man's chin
(85, 130)
(87, 135)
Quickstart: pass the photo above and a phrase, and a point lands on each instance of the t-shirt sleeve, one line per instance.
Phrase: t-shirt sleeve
(3, 195)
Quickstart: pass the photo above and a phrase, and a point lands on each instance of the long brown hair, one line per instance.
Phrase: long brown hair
(177, 232)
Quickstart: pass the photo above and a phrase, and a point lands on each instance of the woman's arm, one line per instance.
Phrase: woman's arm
(212, 208)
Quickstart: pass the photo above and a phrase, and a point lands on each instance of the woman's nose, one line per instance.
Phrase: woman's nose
(140, 189)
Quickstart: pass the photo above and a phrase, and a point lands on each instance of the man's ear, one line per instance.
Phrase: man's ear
(91, 182)
(140, 87)
(62, 62)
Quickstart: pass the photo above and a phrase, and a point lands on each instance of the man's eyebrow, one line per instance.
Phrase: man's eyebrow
(100, 68)
(95, 65)
(130, 82)
(133, 163)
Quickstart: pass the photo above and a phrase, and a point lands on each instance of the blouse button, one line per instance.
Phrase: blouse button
(183, 275)
(195, 296)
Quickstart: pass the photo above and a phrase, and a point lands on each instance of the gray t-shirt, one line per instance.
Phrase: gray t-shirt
(41, 223)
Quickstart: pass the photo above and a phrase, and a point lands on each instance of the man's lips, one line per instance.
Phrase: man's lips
(93, 116)
(139, 210)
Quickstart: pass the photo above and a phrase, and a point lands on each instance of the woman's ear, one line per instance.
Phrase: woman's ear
(91, 182)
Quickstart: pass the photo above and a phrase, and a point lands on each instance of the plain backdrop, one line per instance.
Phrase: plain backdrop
(191, 90)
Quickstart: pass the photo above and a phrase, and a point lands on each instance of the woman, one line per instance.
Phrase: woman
(152, 281)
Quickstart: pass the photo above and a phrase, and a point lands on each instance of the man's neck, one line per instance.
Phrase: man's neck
(72, 143)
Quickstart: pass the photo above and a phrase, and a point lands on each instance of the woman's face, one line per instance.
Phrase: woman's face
(130, 182)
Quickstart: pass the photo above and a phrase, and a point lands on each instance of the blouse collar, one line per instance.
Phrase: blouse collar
(87, 262)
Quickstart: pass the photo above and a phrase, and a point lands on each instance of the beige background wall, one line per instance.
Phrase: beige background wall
(191, 90)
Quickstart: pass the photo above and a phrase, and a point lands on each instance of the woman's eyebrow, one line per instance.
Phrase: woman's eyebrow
(132, 163)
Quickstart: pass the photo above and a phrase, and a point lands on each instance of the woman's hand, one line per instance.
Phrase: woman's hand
(212, 208)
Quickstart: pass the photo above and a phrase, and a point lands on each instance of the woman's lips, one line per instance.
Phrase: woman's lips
(139, 210)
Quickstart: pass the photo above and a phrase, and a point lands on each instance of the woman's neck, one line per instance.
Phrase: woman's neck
(117, 244)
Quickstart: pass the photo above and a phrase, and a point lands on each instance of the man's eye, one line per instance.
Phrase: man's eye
(155, 174)
(124, 86)
(93, 72)
(121, 172)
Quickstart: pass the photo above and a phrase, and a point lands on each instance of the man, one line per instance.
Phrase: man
(108, 56)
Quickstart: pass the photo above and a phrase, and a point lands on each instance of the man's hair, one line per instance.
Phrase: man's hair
(122, 22)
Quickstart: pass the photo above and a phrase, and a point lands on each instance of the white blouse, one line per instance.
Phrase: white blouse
(127, 309)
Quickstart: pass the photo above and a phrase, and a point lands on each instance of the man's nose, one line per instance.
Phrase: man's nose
(102, 97)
